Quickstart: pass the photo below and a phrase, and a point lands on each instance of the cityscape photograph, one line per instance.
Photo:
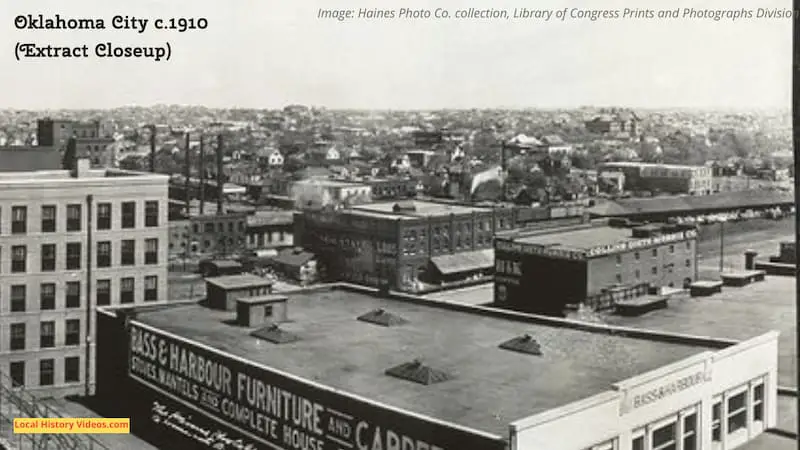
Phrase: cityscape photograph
(409, 228)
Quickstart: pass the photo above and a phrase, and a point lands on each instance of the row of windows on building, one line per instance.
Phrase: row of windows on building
(74, 217)
(209, 227)
(47, 370)
(744, 406)
(19, 298)
(416, 240)
(654, 252)
(669, 268)
(74, 255)
(47, 334)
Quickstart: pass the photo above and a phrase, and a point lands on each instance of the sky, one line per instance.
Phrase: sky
(270, 53)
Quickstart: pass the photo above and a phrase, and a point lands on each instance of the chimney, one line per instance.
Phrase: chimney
(82, 168)
(202, 175)
(220, 190)
(750, 259)
(187, 173)
(152, 148)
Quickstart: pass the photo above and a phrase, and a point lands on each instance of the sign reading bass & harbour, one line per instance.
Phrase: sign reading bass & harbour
(276, 411)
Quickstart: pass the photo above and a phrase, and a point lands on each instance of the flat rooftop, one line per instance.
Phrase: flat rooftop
(490, 387)
(420, 208)
(244, 280)
(580, 239)
(736, 313)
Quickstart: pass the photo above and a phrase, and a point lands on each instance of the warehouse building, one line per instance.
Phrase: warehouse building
(70, 241)
(547, 271)
(668, 178)
(340, 368)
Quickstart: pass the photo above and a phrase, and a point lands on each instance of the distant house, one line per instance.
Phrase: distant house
(554, 144)
(275, 158)
(523, 142)
(333, 154)
(297, 264)
(614, 123)
(420, 158)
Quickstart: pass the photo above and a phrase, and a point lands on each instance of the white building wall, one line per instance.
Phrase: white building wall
(613, 415)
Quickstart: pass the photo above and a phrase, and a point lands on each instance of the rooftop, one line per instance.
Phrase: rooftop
(487, 386)
(580, 239)
(84, 175)
(228, 282)
(27, 158)
(420, 208)
(735, 313)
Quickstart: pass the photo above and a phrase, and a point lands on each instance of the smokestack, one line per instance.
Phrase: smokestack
(219, 174)
(152, 148)
(202, 175)
(187, 173)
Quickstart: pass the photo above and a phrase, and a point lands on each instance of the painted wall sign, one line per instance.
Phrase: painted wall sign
(275, 411)
(640, 243)
(636, 397)
(532, 249)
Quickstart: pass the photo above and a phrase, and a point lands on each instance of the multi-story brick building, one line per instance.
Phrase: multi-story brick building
(399, 244)
(208, 234)
(91, 139)
(70, 241)
(543, 272)
(668, 178)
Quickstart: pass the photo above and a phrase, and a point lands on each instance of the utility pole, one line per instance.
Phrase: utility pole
(721, 246)
(202, 175)
(220, 189)
(188, 174)
(152, 148)
(503, 171)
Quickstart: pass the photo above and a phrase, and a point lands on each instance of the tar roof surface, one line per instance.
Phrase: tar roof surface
(491, 386)
(422, 209)
(237, 281)
(735, 313)
(582, 239)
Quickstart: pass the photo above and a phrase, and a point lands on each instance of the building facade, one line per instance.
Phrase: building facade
(68, 243)
(402, 244)
(594, 265)
(91, 140)
(667, 178)
(208, 234)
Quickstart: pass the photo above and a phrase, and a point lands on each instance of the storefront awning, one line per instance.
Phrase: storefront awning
(464, 262)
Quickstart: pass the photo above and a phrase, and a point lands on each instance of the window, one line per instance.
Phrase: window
(737, 412)
(47, 295)
(690, 431)
(654, 270)
(608, 445)
(104, 216)
(19, 258)
(73, 294)
(17, 341)
(195, 228)
(638, 440)
(151, 251)
(73, 255)
(664, 437)
(655, 252)
(128, 252)
(230, 227)
(128, 214)
(104, 254)
(638, 274)
(151, 214)
(73, 217)
(48, 257)
(241, 227)
(72, 369)
(17, 372)
(46, 372)
(126, 290)
(716, 428)
(208, 228)
(103, 292)
(619, 278)
(48, 219)
(688, 245)
(619, 259)
(688, 263)
(150, 288)
(19, 219)
(758, 403)
(73, 332)
(18, 301)
(672, 249)
(47, 334)
(636, 256)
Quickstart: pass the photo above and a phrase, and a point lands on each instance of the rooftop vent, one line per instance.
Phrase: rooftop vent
(523, 344)
(273, 333)
(383, 318)
(404, 206)
(418, 372)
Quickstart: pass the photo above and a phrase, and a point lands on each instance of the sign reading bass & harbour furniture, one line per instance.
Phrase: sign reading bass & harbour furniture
(276, 411)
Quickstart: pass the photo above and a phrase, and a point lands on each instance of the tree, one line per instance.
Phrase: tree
(293, 164)
(70, 157)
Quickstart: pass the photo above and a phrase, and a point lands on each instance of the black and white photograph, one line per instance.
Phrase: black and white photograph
(398, 225)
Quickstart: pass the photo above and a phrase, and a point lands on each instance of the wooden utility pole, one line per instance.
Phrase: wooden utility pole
(220, 190)
(187, 173)
(202, 171)
(152, 148)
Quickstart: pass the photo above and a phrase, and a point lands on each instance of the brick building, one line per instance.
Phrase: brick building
(545, 271)
(400, 244)
(91, 138)
(667, 178)
(208, 234)
(70, 242)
